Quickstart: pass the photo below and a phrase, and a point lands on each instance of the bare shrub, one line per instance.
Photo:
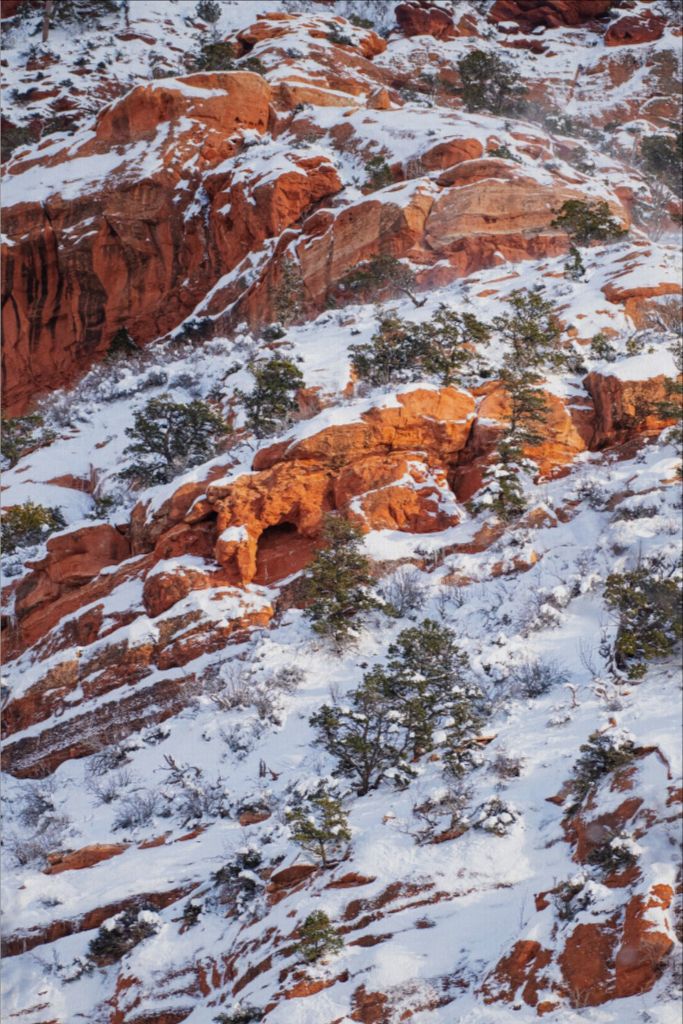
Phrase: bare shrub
(404, 591)
(109, 788)
(136, 810)
(534, 678)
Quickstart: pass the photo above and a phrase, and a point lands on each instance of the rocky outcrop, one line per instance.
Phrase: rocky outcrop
(530, 14)
(422, 18)
(631, 31)
(141, 253)
(625, 407)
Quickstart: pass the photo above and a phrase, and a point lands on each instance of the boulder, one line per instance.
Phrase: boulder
(530, 14)
(423, 18)
(632, 30)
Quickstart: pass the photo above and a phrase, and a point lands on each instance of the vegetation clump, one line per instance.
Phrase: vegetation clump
(393, 717)
(339, 584)
(121, 933)
(378, 172)
(647, 604)
(662, 155)
(586, 223)
(319, 938)
(531, 332)
(382, 273)
(22, 434)
(601, 755)
(489, 83)
(319, 825)
(169, 437)
(28, 524)
(443, 347)
(272, 402)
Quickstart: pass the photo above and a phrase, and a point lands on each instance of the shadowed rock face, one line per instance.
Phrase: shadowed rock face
(128, 251)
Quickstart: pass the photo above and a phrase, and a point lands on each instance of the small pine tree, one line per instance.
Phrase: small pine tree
(381, 273)
(427, 684)
(84, 10)
(532, 331)
(364, 736)
(489, 83)
(447, 341)
(601, 755)
(320, 825)
(208, 11)
(648, 608)
(392, 356)
(318, 938)
(588, 222)
(169, 437)
(602, 348)
(379, 173)
(338, 583)
(23, 434)
(441, 347)
(273, 400)
(574, 268)
(28, 524)
(211, 54)
(504, 480)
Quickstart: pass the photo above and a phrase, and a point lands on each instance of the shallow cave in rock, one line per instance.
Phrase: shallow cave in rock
(282, 550)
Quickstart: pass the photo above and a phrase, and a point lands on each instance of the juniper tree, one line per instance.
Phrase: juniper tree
(273, 399)
(170, 437)
(647, 605)
(588, 222)
(574, 267)
(320, 825)
(392, 355)
(318, 937)
(379, 173)
(208, 11)
(447, 341)
(427, 684)
(440, 347)
(489, 83)
(364, 735)
(28, 524)
(531, 330)
(338, 583)
(383, 272)
(504, 480)
(662, 155)
(23, 434)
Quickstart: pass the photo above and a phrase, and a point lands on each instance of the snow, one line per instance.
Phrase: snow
(456, 906)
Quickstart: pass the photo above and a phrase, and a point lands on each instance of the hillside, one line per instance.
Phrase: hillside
(342, 512)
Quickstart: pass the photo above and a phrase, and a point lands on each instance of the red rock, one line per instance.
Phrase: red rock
(644, 948)
(288, 877)
(630, 31)
(520, 969)
(145, 266)
(422, 18)
(624, 408)
(529, 14)
(86, 857)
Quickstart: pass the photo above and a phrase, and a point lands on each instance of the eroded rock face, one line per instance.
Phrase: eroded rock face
(133, 254)
(631, 31)
(529, 14)
(421, 18)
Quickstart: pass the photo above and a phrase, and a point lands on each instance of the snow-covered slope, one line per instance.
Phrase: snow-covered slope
(161, 670)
